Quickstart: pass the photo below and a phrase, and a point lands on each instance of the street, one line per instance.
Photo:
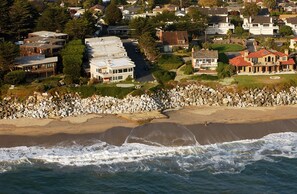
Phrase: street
(142, 73)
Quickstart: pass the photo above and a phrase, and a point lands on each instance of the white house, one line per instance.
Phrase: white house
(293, 43)
(292, 22)
(108, 59)
(219, 25)
(205, 59)
(260, 25)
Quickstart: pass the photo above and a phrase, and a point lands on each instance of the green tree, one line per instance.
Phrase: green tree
(77, 28)
(22, 18)
(4, 16)
(113, 14)
(239, 31)
(149, 47)
(285, 30)
(269, 3)
(225, 70)
(8, 53)
(89, 3)
(72, 57)
(206, 45)
(250, 9)
(53, 19)
(140, 26)
(229, 34)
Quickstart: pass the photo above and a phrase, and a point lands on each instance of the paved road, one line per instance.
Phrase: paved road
(142, 72)
(250, 45)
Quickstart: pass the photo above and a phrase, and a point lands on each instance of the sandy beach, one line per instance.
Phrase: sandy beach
(208, 124)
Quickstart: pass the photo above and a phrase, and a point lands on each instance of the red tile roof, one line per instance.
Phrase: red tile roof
(259, 54)
(239, 61)
(264, 52)
(173, 38)
(288, 62)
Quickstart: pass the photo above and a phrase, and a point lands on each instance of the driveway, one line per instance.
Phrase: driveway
(250, 45)
(142, 73)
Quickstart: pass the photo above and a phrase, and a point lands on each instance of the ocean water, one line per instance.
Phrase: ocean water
(266, 165)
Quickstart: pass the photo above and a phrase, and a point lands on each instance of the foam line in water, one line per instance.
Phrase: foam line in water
(231, 157)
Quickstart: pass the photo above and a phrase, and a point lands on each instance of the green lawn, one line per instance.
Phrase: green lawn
(227, 47)
(260, 81)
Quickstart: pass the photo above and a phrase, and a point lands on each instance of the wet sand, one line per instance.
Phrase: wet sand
(206, 124)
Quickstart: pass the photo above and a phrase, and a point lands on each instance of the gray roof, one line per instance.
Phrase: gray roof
(202, 54)
(217, 19)
(292, 20)
(260, 19)
(34, 60)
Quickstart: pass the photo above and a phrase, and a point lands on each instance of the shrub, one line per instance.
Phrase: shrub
(225, 70)
(15, 77)
(187, 69)
(113, 91)
(164, 76)
(169, 62)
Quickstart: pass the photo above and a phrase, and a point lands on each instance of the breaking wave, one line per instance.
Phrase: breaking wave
(230, 157)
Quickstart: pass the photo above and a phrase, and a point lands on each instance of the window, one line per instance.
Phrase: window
(255, 25)
(120, 77)
(266, 25)
(125, 70)
(115, 71)
(120, 71)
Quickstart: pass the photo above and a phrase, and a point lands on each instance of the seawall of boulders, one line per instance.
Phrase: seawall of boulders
(53, 106)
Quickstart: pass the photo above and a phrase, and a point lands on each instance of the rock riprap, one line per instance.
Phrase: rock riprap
(51, 106)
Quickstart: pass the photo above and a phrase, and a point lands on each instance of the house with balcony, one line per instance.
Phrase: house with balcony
(219, 25)
(37, 66)
(108, 59)
(260, 25)
(293, 44)
(262, 62)
(205, 59)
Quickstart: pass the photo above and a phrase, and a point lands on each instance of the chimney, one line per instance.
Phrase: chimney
(287, 51)
(250, 20)
(161, 35)
(270, 19)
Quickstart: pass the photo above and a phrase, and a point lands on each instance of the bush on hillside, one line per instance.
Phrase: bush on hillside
(169, 62)
(15, 77)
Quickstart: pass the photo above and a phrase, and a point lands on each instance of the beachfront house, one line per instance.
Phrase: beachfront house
(205, 59)
(292, 22)
(108, 59)
(263, 61)
(37, 66)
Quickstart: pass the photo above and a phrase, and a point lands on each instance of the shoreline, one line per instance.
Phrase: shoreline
(209, 124)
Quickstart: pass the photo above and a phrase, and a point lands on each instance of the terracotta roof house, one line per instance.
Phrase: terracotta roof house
(174, 40)
(205, 59)
(263, 61)
(260, 25)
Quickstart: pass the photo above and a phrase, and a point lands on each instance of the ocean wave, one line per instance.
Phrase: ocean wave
(229, 157)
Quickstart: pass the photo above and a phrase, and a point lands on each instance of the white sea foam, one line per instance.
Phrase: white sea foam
(231, 157)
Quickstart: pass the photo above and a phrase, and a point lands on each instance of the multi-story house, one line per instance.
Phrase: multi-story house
(37, 66)
(293, 43)
(174, 40)
(263, 61)
(218, 21)
(219, 25)
(48, 34)
(205, 59)
(41, 46)
(108, 59)
(260, 25)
